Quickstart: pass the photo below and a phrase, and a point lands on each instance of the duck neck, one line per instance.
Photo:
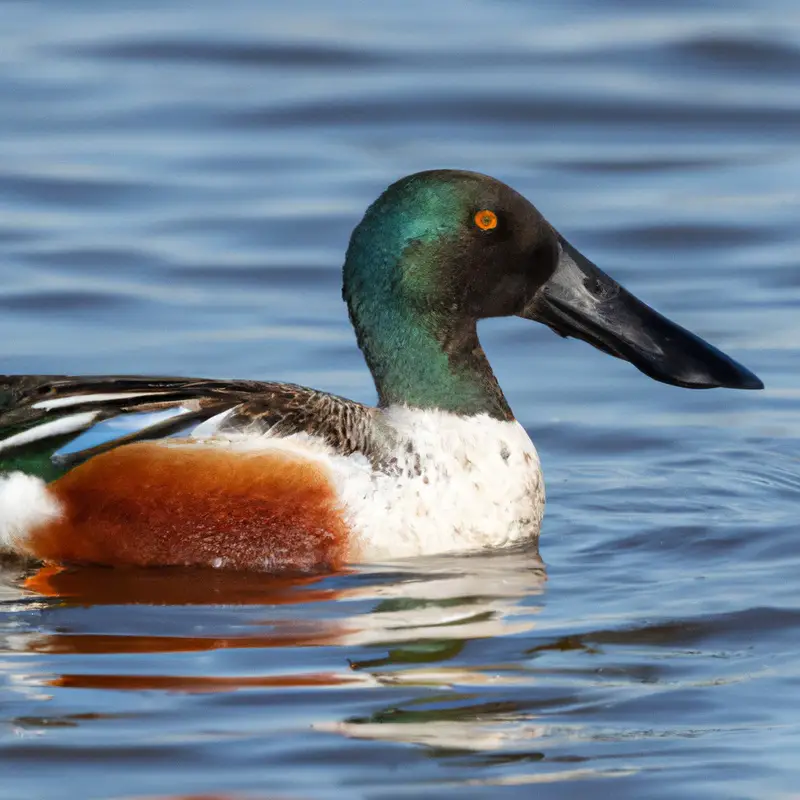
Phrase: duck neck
(425, 362)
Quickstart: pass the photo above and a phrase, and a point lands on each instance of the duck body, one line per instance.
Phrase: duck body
(430, 482)
(272, 476)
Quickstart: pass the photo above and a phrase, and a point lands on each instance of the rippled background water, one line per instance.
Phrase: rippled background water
(178, 181)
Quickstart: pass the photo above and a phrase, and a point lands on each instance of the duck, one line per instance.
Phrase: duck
(272, 476)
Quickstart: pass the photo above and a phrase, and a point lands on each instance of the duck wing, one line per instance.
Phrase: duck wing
(43, 414)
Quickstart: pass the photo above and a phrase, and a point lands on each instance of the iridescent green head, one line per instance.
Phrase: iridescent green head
(436, 252)
(440, 250)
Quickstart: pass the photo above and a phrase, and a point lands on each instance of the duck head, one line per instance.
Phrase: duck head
(442, 249)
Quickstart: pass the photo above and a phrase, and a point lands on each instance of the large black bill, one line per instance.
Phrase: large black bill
(580, 300)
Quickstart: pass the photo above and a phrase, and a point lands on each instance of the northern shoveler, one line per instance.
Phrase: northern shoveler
(256, 475)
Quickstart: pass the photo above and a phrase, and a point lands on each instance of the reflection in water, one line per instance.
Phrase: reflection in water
(415, 618)
(172, 586)
(210, 683)
(406, 626)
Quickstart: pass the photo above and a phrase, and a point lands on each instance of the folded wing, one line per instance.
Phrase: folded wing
(41, 415)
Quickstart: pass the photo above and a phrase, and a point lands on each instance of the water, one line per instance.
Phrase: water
(177, 185)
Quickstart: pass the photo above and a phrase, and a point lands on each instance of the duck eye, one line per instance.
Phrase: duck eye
(486, 220)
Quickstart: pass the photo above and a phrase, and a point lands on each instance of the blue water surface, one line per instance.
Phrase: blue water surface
(178, 181)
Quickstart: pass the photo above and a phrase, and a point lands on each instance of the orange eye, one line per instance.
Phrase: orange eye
(486, 220)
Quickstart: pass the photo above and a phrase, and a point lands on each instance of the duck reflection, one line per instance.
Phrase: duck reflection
(417, 625)
(173, 586)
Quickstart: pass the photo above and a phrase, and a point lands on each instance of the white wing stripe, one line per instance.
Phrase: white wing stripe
(77, 399)
(210, 426)
(57, 427)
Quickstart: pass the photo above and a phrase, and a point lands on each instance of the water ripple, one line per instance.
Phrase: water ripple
(178, 183)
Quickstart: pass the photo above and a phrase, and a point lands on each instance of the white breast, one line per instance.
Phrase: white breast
(462, 483)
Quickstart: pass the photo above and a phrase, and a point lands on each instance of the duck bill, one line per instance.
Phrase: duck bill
(580, 300)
